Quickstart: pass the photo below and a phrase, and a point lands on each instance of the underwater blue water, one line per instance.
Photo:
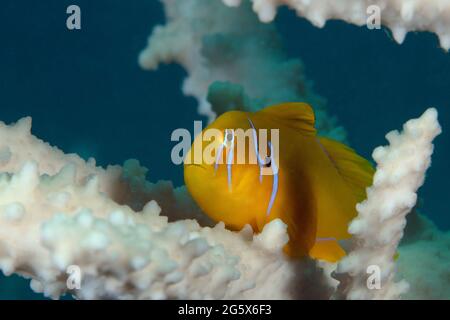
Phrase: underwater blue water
(87, 94)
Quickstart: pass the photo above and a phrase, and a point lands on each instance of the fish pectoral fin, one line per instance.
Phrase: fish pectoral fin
(328, 250)
(356, 171)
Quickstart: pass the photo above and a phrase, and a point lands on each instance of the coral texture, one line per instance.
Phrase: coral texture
(133, 239)
(58, 211)
(425, 262)
(378, 228)
(401, 16)
(240, 57)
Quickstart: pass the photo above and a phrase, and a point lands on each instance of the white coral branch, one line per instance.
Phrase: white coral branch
(401, 16)
(381, 219)
(57, 211)
(215, 43)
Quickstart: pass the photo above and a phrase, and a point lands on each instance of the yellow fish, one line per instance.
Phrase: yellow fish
(315, 185)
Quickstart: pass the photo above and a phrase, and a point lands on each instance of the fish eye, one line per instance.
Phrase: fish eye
(268, 162)
(229, 135)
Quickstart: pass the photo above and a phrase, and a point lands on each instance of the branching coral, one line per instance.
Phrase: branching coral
(378, 228)
(57, 211)
(216, 43)
(132, 239)
(401, 16)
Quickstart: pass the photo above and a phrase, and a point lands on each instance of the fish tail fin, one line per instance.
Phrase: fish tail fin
(328, 250)
(356, 171)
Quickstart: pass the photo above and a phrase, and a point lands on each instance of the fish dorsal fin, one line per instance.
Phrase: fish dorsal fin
(356, 171)
(296, 115)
